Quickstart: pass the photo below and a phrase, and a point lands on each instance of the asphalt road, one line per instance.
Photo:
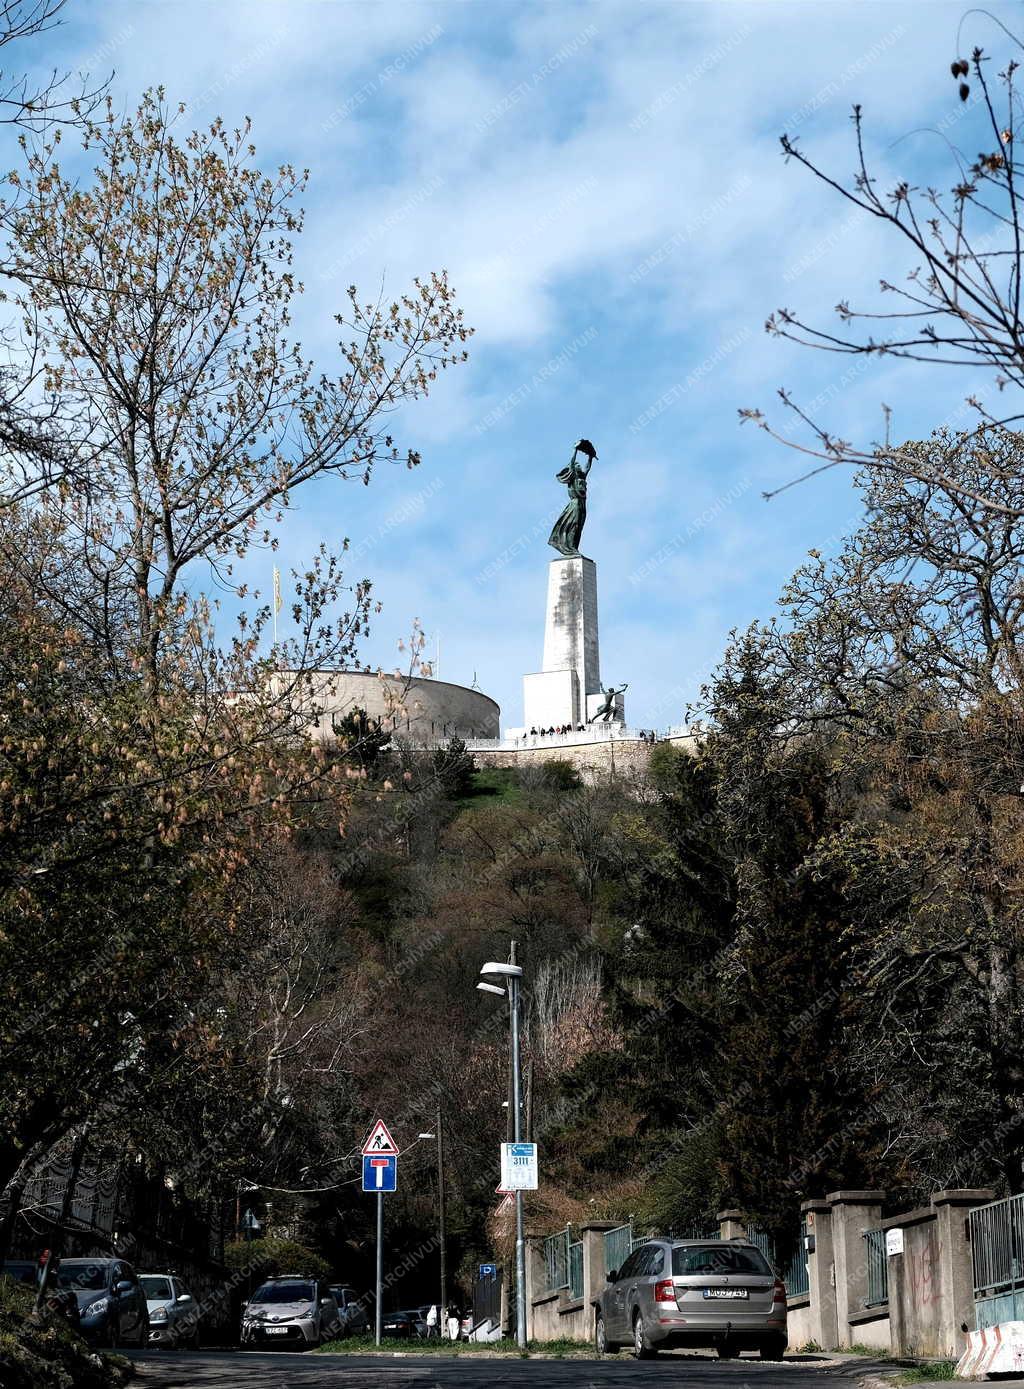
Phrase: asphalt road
(281, 1370)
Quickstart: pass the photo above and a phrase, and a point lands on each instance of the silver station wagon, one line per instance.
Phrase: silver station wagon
(717, 1293)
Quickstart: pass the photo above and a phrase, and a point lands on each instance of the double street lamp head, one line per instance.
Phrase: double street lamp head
(491, 989)
(502, 971)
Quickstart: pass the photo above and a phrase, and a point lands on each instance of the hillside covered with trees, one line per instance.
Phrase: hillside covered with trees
(784, 961)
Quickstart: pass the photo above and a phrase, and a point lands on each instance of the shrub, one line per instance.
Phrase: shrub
(270, 1257)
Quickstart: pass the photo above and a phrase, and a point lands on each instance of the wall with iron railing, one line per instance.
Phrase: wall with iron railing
(844, 1287)
(556, 1261)
(575, 1268)
(620, 1242)
(762, 1240)
(877, 1260)
(796, 1272)
(792, 1270)
(592, 733)
(563, 1263)
(997, 1255)
(618, 1245)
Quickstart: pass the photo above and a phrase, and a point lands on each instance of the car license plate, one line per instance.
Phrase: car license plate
(276, 1330)
(725, 1292)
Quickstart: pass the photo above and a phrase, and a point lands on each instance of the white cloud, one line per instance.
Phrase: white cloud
(545, 155)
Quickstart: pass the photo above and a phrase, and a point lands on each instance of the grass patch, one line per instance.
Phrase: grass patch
(553, 1350)
(562, 1350)
(493, 786)
(931, 1369)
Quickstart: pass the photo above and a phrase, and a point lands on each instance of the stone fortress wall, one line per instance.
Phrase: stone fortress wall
(423, 710)
(625, 754)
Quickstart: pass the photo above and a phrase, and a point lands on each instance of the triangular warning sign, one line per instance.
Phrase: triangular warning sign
(379, 1141)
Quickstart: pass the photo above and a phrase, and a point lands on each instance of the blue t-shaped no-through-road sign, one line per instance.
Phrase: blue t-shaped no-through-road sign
(380, 1173)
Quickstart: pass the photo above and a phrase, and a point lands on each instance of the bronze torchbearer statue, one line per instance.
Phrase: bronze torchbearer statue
(607, 710)
(567, 530)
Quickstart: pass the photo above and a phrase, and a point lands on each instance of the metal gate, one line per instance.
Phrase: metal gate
(487, 1298)
(997, 1254)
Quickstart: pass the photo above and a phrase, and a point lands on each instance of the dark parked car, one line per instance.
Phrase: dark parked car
(401, 1324)
(27, 1272)
(111, 1302)
(719, 1293)
(353, 1320)
(419, 1321)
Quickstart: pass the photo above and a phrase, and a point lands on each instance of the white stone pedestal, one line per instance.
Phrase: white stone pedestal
(551, 698)
(570, 628)
(562, 691)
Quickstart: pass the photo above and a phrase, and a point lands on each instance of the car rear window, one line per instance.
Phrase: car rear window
(718, 1259)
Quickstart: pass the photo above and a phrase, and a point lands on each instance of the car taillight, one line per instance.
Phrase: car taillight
(665, 1291)
(779, 1291)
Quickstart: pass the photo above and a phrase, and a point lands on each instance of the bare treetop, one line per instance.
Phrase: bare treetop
(26, 103)
(961, 303)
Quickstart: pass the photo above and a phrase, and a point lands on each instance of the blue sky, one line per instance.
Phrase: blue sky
(603, 184)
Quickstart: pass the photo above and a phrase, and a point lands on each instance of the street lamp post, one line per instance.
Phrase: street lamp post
(442, 1310)
(441, 1233)
(512, 974)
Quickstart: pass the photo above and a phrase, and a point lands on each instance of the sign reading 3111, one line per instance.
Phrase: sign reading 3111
(519, 1166)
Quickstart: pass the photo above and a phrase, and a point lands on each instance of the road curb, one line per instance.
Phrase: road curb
(444, 1359)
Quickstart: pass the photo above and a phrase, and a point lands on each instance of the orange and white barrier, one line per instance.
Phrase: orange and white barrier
(996, 1350)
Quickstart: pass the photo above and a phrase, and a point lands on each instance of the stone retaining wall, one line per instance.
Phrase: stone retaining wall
(608, 757)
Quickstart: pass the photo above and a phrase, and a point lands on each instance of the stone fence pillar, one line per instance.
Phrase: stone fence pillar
(956, 1276)
(821, 1273)
(594, 1269)
(853, 1212)
(536, 1279)
(732, 1225)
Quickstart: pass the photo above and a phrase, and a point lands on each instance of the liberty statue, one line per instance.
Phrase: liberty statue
(566, 532)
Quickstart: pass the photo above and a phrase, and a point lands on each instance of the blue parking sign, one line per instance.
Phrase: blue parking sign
(380, 1173)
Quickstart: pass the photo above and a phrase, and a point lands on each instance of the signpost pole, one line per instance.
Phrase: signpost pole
(517, 1136)
(380, 1268)
(380, 1174)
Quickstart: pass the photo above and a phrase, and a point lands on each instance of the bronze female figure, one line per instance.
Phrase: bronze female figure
(567, 530)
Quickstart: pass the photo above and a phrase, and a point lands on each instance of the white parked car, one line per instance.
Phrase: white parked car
(291, 1310)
